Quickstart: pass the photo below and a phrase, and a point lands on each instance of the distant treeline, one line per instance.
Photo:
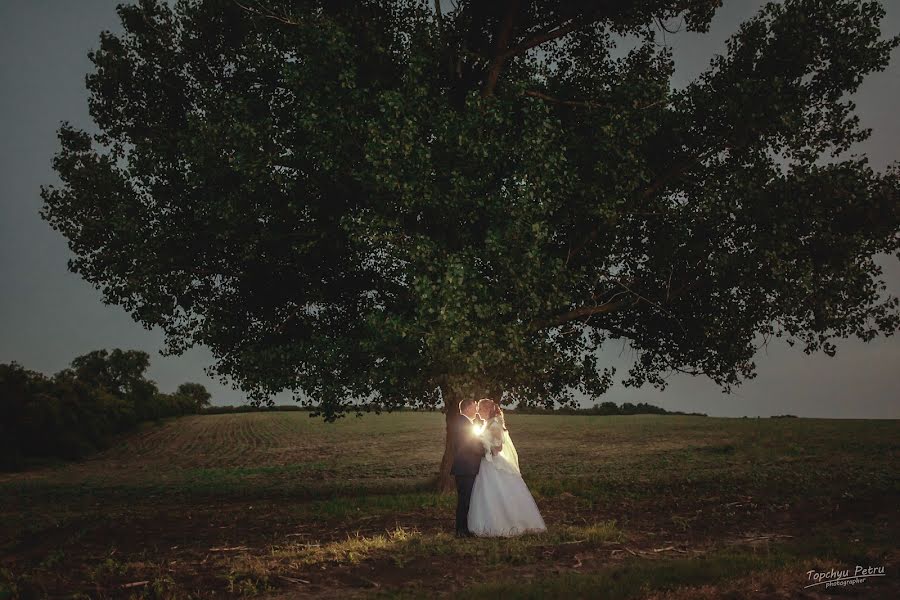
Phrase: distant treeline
(78, 410)
(605, 408)
(244, 408)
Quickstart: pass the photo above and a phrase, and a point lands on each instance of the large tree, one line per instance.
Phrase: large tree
(384, 201)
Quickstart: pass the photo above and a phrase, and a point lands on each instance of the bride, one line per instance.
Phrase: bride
(501, 504)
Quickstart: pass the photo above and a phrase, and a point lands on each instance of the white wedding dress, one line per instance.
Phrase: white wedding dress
(501, 505)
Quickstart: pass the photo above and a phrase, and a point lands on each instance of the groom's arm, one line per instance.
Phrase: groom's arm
(462, 431)
(471, 441)
(464, 435)
(477, 446)
(468, 440)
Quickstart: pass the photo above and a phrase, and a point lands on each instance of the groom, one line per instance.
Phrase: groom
(466, 461)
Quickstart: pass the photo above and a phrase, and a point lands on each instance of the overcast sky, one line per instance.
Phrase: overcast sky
(49, 315)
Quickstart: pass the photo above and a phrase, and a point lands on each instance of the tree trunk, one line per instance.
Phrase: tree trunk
(452, 396)
(446, 484)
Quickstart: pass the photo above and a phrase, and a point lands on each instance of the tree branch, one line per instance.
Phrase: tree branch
(504, 52)
(578, 313)
(557, 32)
(676, 169)
(577, 103)
(269, 14)
(584, 103)
(501, 54)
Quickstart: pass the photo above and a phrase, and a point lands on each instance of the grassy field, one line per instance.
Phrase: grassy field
(280, 505)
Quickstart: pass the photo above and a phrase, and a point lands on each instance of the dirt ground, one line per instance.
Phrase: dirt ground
(283, 513)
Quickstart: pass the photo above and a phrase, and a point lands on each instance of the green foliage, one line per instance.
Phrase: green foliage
(197, 393)
(370, 201)
(78, 410)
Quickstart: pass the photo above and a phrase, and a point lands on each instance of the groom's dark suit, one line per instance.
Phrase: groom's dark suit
(466, 461)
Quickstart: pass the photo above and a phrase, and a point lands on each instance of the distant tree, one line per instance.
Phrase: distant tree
(116, 372)
(196, 393)
(176, 404)
(122, 374)
(378, 201)
(607, 408)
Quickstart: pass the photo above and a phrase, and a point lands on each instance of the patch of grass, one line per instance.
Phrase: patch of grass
(404, 544)
(348, 506)
(602, 532)
(54, 557)
(228, 474)
(249, 576)
(718, 449)
(19, 585)
(637, 578)
(631, 580)
(162, 586)
(233, 486)
(350, 550)
(108, 567)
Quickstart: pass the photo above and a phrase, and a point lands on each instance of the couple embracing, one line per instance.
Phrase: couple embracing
(492, 498)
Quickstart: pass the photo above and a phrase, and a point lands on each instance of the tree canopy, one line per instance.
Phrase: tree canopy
(381, 200)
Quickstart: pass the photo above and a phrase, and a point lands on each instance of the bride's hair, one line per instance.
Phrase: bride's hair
(496, 411)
